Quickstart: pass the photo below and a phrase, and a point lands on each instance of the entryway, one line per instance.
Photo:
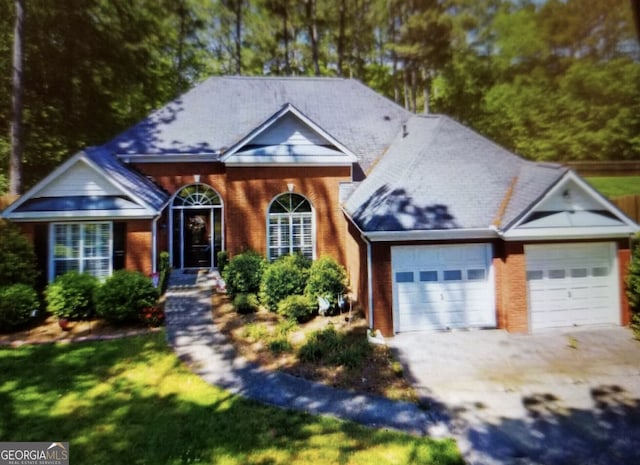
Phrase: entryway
(196, 227)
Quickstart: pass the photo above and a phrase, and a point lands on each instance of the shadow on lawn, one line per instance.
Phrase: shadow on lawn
(89, 395)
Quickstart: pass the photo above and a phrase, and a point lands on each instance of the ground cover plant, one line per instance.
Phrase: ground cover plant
(616, 186)
(132, 401)
(330, 349)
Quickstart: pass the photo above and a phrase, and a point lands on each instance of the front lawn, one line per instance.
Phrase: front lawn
(616, 186)
(132, 401)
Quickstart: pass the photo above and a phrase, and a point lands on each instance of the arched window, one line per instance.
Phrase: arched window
(290, 226)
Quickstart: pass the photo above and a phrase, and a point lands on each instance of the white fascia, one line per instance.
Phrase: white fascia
(432, 235)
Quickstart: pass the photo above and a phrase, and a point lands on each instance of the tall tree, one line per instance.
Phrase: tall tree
(15, 167)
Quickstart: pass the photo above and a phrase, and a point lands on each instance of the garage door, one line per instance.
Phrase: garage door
(441, 287)
(572, 284)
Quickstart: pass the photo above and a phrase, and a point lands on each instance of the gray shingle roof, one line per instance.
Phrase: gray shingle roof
(443, 175)
(219, 112)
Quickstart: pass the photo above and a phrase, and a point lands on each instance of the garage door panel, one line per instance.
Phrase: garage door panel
(571, 284)
(452, 287)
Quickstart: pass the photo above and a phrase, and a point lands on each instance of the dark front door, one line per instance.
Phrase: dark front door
(198, 235)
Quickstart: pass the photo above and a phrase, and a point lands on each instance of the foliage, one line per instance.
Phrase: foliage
(243, 274)
(17, 302)
(17, 259)
(282, 278)
(334, 348)
(89, 391)
(256, 332)
(222, 259)
(124, 295)
(246, 303)
(165, 271)
(633, 285)
(279, 344)
(327, 279)
(71, 295)
(297, 307)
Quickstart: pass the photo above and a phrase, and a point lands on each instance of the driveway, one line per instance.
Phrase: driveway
(559, 397)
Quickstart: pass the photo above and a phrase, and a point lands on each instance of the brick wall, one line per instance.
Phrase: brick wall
(624, 260)
(513, 312)
(382, 289)
(356, 265)
(139, 246)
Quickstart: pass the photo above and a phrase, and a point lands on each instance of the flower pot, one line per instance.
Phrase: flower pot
(63, 323)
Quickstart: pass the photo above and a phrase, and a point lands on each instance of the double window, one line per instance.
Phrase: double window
(290, 226)
(83, 247)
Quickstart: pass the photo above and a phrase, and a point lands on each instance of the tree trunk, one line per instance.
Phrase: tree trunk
(238, 14)
(341, 36)
(15, 162)
(312, 25)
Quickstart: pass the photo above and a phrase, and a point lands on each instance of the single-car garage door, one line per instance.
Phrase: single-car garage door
(572, 284)
(441, 287)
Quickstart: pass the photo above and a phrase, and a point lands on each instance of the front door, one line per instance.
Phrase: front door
(198, 238)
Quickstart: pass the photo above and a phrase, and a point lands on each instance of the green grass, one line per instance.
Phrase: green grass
(132, 401)
(616, 186)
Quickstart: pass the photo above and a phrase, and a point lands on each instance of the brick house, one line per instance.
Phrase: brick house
(437, 226)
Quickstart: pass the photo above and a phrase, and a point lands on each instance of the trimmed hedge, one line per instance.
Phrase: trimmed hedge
(243, 273)
(17, 301)
(328, 279)
(124, 295)
(286, 276)
(297, 307)
(71, 295)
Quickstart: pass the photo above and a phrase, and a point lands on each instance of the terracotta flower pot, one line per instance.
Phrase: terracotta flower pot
(63, 323)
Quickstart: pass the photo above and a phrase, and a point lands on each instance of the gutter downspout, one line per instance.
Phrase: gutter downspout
(154, 244)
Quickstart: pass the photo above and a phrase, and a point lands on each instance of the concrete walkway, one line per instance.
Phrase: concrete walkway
(196, 340)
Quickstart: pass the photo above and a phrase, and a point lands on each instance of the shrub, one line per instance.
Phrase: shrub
(165, 271)
(17, 301)
(222, 259)
(297, 307)
(17, 258)
(256, 332)
(124, 295)
(284, 277)
(327, 279)
(71, 295)
(633, 287)
(246, 303)
(243, 273)
(334, 348)
(279, 345)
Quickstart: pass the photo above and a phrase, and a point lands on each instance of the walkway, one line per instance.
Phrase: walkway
(196, 340)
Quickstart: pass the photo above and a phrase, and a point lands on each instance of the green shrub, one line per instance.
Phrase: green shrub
(246, 303)
(285, 327)
(333, 348)
(633, 287)
(165, 271)
(297, 307)
(286, 276)
(255, 332)
(327, 279)
(124, 295)
(243, 273)
(71, 295)
(222, 259)
(17, 301)
(17, 258)
(279, 345)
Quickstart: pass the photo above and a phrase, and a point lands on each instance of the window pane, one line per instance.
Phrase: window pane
(452, 275)
(82, 247)
(426, 276)
(578, 272)
(476, 274)
(404, 277)
(600, 271)
(534, 275)
(290, 226)
(557, 274)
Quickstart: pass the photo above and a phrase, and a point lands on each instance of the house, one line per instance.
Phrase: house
(437, 226)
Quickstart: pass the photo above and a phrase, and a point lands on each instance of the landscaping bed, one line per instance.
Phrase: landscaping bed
(332, 350)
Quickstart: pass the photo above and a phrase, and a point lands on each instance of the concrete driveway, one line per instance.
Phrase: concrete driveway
(559, 397)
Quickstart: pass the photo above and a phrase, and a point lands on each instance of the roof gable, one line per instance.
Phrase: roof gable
(571, 208)
(84, 187)
(289, 137)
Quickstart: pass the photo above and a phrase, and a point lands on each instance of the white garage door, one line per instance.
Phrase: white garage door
(572, 284)
(441, 287)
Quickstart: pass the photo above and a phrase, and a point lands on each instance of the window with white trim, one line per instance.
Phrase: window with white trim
(290, 226)
(83, 247)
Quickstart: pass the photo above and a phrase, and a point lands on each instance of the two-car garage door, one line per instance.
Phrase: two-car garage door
(572, 284)
(441, 287)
